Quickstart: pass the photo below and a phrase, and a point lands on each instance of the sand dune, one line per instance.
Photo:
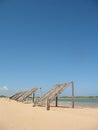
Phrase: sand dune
(19, 116)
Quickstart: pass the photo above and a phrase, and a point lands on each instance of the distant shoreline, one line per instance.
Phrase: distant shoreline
(3, 96)
(79, 97)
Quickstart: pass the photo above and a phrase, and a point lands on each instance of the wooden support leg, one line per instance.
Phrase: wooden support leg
(47, 104)
(72, 94)
(40, 92)
(33, 97)
(56, 104)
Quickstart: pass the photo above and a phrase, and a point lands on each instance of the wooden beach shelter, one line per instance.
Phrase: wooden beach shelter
(22, 96)
(27, 94)
(52, 94)
(17, 95)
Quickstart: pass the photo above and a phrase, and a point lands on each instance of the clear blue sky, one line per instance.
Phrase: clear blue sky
(44, 42)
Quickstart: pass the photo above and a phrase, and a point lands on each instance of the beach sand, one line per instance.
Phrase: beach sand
(19, 116)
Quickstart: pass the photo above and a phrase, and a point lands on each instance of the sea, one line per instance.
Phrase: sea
(79, 102)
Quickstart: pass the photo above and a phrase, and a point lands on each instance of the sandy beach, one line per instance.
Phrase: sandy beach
(19, 116)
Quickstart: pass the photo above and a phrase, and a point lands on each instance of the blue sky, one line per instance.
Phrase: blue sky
(44, 42)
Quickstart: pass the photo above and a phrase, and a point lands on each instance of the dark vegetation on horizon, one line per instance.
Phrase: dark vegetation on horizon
(2, 96)
(79, 97)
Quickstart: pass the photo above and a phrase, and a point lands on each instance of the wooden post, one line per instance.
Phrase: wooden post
(33, 97)
(56, 104)
(40, 92)
(72, 94)
(47, 104)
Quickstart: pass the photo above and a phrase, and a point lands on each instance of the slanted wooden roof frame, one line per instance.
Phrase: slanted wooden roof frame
(27, 94)
(52, 94)
(21, 96)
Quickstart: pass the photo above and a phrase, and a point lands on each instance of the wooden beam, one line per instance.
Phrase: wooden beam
(56, 103)
(47, 104)
(33, 97)
(40, 92)
(72, 94)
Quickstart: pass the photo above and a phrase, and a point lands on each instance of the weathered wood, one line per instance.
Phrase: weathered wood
(47, 104)
(56, 102)
(40, 92)
(21, 96)
(17, 95)
(42, 101)
(53, 93)
(13, 96)
(33, 97)
(27, 94)
(72, 94)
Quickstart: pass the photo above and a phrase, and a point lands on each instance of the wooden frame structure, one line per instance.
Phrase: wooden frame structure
(52, 94)
(22, 96)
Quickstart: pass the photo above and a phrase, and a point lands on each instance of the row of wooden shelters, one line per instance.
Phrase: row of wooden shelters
(47, 98)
